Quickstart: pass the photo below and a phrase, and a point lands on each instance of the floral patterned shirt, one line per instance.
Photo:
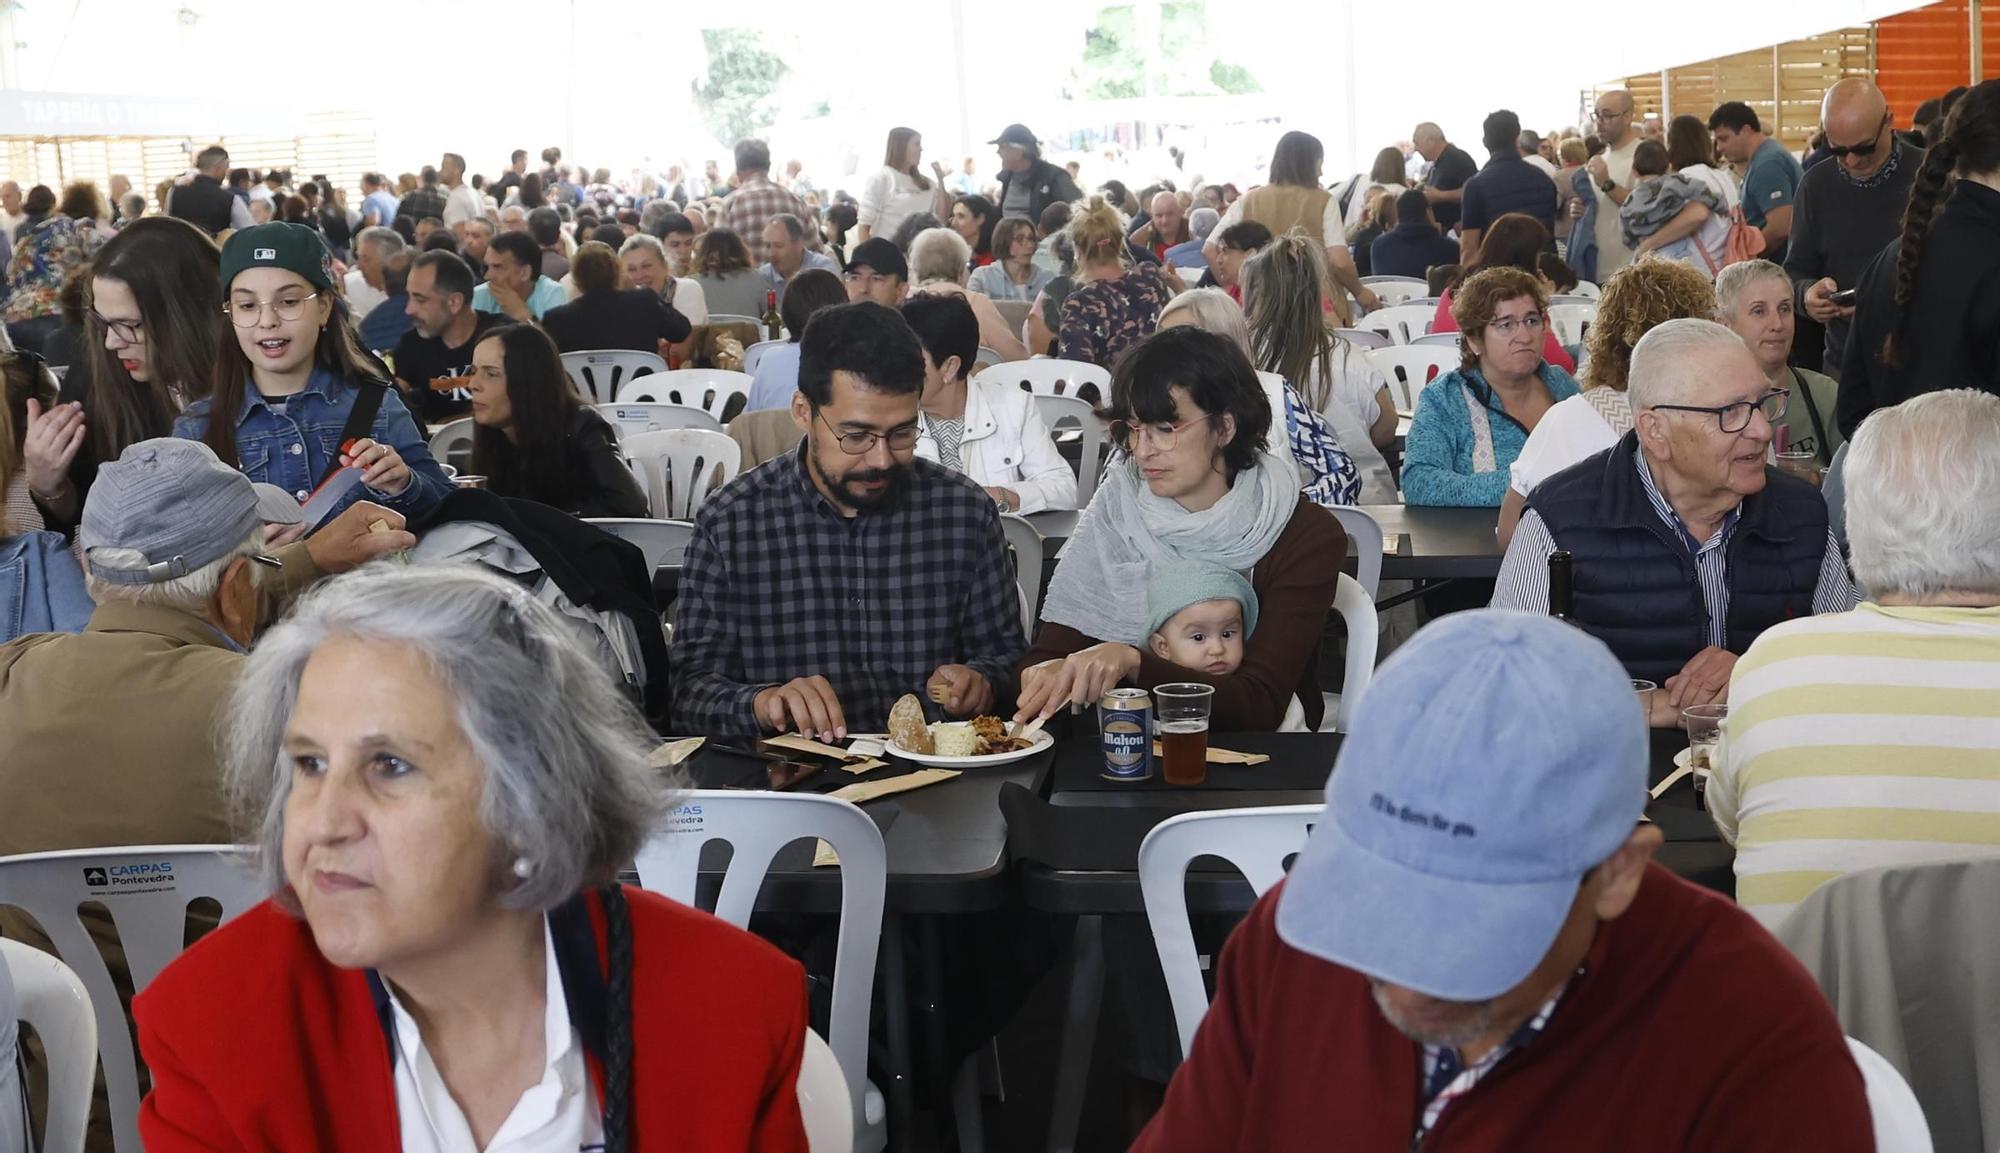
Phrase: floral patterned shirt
(42, 257)
(1103, 318)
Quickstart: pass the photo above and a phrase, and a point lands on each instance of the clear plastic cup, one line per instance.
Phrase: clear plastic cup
(1180, 717)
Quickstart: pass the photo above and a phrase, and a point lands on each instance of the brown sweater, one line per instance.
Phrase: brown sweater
(1294, 583)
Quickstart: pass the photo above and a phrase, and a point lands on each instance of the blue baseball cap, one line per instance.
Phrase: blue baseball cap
(1495, 760)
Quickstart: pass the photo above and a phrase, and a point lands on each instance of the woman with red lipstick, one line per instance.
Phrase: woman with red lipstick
(442, 788)
(150, 334)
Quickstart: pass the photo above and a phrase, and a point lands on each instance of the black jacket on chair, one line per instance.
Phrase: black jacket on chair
(1951, 338)
(1636, 587)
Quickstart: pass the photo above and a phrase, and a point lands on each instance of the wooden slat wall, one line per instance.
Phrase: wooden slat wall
(1783, 83)
(339, 144)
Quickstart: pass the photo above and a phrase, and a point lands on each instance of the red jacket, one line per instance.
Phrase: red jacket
(1691, 1029)
(255, 1042)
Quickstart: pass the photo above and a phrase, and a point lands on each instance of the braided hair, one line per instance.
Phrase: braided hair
(1969, 143)
(618, 1042)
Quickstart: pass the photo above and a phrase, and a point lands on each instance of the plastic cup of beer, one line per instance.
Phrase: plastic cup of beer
(1644, 690)
(1180, 717)
(1704, 729)
(1804, 465)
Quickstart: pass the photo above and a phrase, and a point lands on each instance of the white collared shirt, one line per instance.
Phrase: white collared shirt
(560, 1114)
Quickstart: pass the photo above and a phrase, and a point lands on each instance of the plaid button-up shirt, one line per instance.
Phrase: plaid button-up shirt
(748, 209)
(778, 584)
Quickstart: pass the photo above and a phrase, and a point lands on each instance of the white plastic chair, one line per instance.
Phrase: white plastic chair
(708, 389)
(600, 374)
(1587, 290)
(1571, 321)
(1062, 413)
(735, 318)
(1437, 340)
(664, 542)
(1256, 841)
(1026, 541)
(1364, 629)
(147, 890)
(680, 467)
(1410, 367)
(1394, 290)
(757, 825)
(1401, 323)
(1364, 544)
(50, 998)
(1900, 1126)
(823, 1099)
(452, 437)
(1364, 337)
(1571, 298)
(1045, 376)
(754, 355)
(646, 416)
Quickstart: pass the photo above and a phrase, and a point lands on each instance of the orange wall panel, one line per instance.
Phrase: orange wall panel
(1922, 53)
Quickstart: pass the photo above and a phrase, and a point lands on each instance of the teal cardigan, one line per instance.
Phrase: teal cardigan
(1437, 457)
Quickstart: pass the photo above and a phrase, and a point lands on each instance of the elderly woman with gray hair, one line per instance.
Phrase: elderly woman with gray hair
(442, 787)
(938, 265)
(1872, 737)
(1754, 298)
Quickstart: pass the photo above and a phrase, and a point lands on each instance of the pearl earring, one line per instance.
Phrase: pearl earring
(523, 868)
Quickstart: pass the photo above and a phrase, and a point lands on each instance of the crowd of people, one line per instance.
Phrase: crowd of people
(203, 516)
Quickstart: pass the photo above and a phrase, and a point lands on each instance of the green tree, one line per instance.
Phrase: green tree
(738, 98)
(1117, 60)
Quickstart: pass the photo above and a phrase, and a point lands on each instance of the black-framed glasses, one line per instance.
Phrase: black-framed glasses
(1867, 148)
(1736, 417)
(1609, 114)
(246, 313)
(860, 443)
(125, 330)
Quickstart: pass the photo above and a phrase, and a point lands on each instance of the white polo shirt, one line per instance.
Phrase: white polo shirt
(560, 1114)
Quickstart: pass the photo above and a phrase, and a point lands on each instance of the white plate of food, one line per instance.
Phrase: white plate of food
(957, 744)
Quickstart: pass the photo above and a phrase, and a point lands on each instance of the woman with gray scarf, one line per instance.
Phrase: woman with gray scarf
(1193, 482)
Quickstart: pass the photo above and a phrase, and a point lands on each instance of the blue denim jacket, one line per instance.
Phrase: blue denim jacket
(41, 587)
(294, 451)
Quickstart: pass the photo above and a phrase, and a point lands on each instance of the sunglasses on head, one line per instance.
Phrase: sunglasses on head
(1837, 151)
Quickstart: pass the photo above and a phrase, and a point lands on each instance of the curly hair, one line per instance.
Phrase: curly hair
(1636, 299)
(1970, 143)
(720, 251)
(1479, 297)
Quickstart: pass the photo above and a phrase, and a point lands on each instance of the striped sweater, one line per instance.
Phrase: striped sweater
(1856, 740)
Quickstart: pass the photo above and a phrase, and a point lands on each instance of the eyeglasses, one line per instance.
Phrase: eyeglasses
(125, 330)
(1608, 114)
(860, 443)
(246, 313)
(1532, 322)
(1125, 433)
(1840, 151)
(1736, 417)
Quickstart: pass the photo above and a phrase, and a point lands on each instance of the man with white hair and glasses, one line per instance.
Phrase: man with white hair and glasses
(1685, 544)
(1872, 737)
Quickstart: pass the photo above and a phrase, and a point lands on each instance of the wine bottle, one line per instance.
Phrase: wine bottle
(1562, 591)
(774, 325)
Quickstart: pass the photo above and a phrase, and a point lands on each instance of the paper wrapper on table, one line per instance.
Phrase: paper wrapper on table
(823, 854)
(793, 743)
(673, 753)
(1222, 756)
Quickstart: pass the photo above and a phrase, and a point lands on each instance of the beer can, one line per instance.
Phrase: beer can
(1125, 730)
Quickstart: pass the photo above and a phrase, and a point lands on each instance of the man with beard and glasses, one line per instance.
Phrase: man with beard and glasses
(1475, 951)
(823, 585)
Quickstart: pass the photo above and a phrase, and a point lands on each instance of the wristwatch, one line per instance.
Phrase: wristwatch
(1607, 186)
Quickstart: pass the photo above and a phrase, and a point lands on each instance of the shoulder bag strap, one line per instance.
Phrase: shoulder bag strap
(1825, 446)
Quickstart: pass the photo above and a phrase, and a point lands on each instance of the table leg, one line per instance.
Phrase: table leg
(1086, 993)
(896, 1020)
(936, 1043)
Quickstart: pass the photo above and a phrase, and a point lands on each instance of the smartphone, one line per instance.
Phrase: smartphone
(1845, 298)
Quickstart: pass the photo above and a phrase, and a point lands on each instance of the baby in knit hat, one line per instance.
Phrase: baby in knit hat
(1201, 615)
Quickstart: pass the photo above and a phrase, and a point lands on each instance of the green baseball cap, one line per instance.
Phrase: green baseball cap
(292, 247)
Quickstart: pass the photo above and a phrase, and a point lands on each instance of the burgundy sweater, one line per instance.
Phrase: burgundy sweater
(1691, 1029)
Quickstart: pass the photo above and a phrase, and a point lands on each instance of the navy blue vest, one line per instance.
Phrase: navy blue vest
(1636, 586)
